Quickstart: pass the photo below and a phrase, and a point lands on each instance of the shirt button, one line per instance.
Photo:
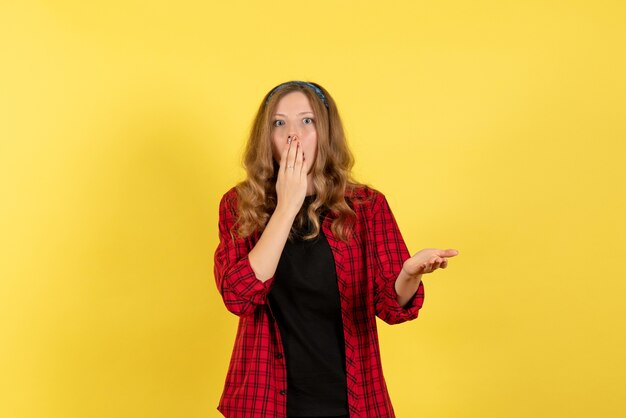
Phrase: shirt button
(283, 392)
(279, 355)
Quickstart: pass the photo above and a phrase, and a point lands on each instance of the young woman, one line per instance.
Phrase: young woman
(307, 259)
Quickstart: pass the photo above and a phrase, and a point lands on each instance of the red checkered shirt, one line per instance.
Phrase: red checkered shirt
(367, 267)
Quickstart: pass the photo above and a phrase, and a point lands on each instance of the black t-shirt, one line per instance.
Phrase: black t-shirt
(305, 301)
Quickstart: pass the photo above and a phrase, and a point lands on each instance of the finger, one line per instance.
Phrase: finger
(294, 156)
(448, 253)
(283, 155)
(298, 150)
(299, 159)
(435, 265)
(436, 262)
(290, 152)
(305, 164)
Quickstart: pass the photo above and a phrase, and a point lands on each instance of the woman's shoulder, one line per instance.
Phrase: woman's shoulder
(230, 193)
(229, 198)
(368, 204)
(362, 194)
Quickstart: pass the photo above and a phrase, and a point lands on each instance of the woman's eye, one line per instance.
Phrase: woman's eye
(279, 122)
(308, 121)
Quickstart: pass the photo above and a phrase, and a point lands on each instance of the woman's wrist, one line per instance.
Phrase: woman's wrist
(404, 275)
(283, 212)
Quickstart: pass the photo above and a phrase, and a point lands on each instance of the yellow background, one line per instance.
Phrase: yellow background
(493, 127)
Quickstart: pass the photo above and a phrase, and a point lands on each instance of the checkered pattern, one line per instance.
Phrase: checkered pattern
(367, 267)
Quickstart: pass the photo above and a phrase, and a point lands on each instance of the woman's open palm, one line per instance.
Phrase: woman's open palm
(428, 260)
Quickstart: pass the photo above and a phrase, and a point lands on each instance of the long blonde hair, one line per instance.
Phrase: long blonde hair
(332, 176)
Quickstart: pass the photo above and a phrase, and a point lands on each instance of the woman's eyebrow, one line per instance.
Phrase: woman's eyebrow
(301, 113)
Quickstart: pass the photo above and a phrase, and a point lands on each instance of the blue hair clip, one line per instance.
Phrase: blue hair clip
(313, 87)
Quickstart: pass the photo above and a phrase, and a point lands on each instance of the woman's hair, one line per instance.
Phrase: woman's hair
(332, 177)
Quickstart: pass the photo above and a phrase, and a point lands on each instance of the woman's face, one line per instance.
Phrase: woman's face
(294, 116)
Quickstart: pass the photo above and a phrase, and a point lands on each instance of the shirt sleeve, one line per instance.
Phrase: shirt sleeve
(241, 291)
(389, 252)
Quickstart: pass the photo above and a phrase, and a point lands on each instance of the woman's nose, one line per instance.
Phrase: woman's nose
(294, 131)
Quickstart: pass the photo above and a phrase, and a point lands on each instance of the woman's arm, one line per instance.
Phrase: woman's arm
(265, 255)
(406, 286)
(242, 275)
(241, 291)
(291, 187)
(388, 252)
